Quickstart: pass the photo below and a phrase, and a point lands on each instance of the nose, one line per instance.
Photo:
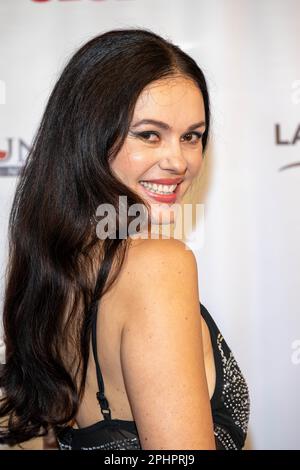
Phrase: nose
(173, 159)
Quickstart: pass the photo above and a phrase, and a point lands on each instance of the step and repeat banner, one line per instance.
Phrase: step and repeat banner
(247, 247)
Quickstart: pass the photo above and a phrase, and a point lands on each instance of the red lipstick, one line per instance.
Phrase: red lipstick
(165, 180)
(166, 198)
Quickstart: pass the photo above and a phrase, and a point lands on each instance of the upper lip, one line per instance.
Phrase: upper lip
(165, 181)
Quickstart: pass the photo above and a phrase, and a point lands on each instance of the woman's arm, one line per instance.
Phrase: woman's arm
(161, 347)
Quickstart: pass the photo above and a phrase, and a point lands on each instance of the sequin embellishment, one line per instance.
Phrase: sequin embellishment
(123, 444)
(235, 396)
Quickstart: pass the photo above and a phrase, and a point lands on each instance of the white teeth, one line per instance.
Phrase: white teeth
(159, 188)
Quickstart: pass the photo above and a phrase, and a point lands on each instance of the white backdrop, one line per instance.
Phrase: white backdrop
(249, 262)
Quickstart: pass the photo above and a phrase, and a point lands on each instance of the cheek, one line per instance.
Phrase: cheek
(194, 164)
(139, 156)
(130, 165)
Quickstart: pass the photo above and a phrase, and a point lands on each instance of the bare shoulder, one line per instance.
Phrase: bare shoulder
(157, 247)
(156, 267)
(161, 347)
(163, 264)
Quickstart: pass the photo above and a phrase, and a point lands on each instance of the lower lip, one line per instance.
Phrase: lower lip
(167, 198)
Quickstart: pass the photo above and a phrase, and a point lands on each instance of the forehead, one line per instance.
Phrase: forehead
(172, 98)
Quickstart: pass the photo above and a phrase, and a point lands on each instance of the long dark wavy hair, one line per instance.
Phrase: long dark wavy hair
(58, 267)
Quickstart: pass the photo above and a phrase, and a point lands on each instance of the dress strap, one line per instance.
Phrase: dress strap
(104, 405)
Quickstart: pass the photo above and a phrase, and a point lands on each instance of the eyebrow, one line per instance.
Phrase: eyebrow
(164, 125)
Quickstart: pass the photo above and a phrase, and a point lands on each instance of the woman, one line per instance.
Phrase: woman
(129, 116)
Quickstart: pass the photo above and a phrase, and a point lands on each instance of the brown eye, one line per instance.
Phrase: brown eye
(190, 136)
(147, 134)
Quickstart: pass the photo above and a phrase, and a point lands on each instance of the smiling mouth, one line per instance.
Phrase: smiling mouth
(161, 193)
(161, 189)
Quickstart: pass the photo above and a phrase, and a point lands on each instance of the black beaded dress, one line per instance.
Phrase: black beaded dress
(230, 406)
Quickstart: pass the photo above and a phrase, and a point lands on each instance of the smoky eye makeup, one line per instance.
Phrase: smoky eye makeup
(146, 136)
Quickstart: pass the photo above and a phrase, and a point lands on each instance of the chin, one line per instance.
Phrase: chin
(161, 214)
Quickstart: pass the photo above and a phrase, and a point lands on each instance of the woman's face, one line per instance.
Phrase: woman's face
(160, 159)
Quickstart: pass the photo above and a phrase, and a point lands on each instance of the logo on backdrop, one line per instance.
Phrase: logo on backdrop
(282, 137)
(13, 153)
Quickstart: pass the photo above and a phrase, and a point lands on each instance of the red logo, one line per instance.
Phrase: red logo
(3, 155)
(13, 158)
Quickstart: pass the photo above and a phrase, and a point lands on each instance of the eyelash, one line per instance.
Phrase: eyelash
(145, 134)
